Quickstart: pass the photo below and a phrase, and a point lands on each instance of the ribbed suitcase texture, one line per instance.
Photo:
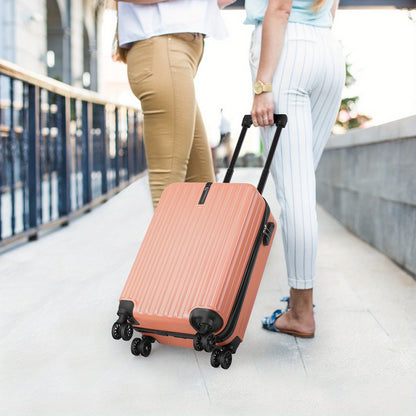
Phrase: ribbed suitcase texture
(196, 275)
(193, 255)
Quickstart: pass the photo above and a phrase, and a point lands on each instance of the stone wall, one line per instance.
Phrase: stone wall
(367, 180)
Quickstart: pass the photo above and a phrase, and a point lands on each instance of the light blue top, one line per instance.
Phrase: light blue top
(301, 12)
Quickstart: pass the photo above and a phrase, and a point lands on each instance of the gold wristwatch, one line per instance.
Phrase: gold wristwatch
(260, 87)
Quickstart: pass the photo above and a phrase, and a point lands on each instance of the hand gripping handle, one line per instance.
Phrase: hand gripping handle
(280, 121)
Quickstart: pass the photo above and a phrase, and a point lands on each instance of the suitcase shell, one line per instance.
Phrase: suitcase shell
(195, 256)
(195, 278)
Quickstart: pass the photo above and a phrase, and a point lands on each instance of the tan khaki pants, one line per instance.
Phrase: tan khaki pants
(161, 73)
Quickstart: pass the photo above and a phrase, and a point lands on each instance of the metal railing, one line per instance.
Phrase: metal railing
(63, 150)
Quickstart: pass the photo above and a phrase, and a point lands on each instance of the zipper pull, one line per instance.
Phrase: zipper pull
(268, 233)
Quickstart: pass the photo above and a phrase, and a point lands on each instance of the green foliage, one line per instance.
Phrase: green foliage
(348, 118)
(349, 78)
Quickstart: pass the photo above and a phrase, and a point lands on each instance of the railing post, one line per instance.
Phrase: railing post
(117, 139)
(12, 153)
(24, 147)
(42, 159)
(48, 152)
(1, 181)
(128, 148)
(64, 168)
(2, 159)
(87, 151)
(33, 159)
(1, 187)
(104, 154)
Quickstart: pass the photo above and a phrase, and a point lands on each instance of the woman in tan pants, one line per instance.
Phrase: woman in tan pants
(165, 43)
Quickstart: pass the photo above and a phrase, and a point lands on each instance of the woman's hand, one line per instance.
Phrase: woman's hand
(263, 110)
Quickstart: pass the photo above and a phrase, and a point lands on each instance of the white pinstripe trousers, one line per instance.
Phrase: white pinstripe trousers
(307, 86)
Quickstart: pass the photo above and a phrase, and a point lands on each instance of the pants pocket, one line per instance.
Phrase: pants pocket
(140, 61)
(185, 51)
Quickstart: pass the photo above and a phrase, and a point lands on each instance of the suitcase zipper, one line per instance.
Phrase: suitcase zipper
(236, 310)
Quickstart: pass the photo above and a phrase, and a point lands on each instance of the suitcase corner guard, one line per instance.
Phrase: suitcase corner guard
(205, 321)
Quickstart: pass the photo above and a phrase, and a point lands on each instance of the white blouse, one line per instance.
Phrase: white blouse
(143, 21)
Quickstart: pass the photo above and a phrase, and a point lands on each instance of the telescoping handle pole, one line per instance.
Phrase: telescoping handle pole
(280, 121)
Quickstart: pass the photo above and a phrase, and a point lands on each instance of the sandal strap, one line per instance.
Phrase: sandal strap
(268, 321)
(287, 300)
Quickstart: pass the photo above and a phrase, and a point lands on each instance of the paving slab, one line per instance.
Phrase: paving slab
(59, 297)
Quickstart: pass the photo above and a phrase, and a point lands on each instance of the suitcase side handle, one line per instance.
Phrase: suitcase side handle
(280, 121)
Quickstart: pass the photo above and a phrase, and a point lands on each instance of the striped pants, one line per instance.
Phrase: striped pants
(307, 86)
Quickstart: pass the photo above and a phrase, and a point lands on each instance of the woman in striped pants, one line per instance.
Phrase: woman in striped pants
(298, 69)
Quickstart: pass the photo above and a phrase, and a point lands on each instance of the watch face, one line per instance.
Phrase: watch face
(258, 87)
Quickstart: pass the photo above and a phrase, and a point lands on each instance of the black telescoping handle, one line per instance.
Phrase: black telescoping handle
(280, 121)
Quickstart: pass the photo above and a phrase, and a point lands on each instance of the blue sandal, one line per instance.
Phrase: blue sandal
(268, 323)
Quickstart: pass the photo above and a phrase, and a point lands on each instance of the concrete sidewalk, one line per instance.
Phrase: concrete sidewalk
(59, 298)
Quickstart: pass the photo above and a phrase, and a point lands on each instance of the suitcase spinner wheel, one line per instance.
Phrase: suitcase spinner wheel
(221, 357)
(124, 330)
(142, 346)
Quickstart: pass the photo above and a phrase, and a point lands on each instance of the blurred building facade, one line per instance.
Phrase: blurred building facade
(57, 38)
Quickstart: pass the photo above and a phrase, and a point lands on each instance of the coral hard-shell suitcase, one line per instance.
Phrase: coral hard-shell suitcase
(195, 278)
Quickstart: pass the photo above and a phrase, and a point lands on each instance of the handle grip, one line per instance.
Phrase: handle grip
(280, 120)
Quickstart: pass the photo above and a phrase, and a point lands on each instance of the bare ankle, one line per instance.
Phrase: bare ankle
(301, 303)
